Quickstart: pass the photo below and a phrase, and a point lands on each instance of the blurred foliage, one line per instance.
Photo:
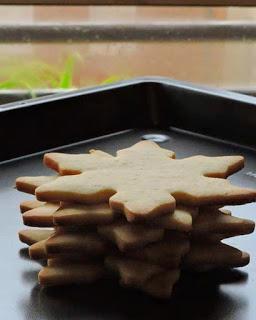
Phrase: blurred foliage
(32, 75)
(112, 79)
(36, 74)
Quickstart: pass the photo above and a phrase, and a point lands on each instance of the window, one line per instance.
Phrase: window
(50, 48)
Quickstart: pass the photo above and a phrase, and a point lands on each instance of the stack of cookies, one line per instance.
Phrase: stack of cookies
(141, 216)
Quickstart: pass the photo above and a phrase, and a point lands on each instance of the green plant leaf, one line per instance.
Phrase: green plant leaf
(29, 75)
(111, 79)
(8, 84)
(67, 74)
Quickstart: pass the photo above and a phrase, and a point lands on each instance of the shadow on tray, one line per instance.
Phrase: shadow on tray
(24, 254)
(196, 296)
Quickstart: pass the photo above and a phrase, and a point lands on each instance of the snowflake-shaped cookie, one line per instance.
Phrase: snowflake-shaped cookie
(144, 181)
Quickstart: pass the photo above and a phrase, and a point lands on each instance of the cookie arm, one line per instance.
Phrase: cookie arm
(212, 191)
(220, 167)
(148, 205)
(83, 188)
(69, 164)
(29, 184)
(215, 221)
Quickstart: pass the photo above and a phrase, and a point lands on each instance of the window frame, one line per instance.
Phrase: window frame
(133, 2)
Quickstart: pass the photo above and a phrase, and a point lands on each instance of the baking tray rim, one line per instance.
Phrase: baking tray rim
(147, 80)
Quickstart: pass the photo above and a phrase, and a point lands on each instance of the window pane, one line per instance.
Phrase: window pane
(207, 45)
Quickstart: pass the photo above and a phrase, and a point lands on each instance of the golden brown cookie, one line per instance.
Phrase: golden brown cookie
(29, 184)
(30, 236)
(68, 164)
(156, 284)
(70, 274)
(70, 242)
(212, 220)
(212, 237)
(166, 253)
(149, 278)
(181, 219)
(213, 255)
(41, 216)
(68, 245)
(161, 285)
(143, 181)
(218, 255)
(30, 204)
(132, 273)
(37, 251)
(79, 214)
(129, 236)
(68, 260)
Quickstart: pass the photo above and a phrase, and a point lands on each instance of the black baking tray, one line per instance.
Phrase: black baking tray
(195, 120)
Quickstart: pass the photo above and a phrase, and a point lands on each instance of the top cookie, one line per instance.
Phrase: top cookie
(144, 181)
